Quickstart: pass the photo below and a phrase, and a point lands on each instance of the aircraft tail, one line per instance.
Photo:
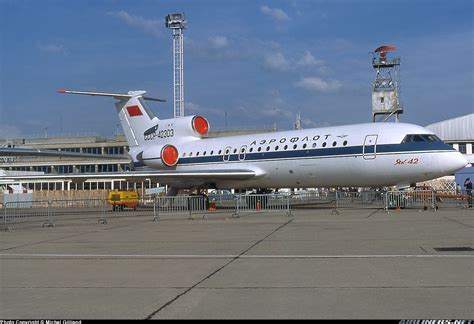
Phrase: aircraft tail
(135, 116)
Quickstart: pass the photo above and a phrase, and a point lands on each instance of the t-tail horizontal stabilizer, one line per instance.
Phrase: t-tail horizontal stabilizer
(117, 96)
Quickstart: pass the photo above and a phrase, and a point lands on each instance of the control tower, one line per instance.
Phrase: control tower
(177, 24)
(386, 86)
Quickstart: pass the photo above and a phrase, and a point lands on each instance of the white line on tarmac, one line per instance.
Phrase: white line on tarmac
(206, 256)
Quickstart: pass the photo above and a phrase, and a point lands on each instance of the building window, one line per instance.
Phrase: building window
(71, 149)
(114, 150)
(45, 169)
(64, 169)
(86, 168)
(92, 150)
(108, 168)
(462, 148)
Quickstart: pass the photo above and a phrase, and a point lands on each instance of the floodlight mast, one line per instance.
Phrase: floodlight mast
(177, 24)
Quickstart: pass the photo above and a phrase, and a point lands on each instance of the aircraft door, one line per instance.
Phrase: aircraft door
(242, 152)
(226, 156)
(369, 150)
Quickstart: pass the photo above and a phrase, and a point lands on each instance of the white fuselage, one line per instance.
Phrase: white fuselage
(354, 155)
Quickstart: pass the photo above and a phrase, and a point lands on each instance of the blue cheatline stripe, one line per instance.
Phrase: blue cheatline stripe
(316, 152)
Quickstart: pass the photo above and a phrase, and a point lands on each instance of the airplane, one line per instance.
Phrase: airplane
(175, 152)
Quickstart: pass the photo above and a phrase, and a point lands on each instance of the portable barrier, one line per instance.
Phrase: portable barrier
(26, 212)
(78, 209)
(184, 205)
(49, 213)
(422, 199)
(360, 200)
(223, 202)
(312, 200)
(262, 202)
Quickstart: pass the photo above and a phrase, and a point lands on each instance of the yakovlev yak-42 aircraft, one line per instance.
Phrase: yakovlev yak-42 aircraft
(363, 155)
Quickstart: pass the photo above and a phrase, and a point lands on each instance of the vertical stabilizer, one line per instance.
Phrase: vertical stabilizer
(135, 118)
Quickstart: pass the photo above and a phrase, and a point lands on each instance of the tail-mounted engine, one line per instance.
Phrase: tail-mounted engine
(159, 156)
(176, 128)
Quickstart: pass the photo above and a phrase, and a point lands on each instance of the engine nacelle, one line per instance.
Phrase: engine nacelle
(160, 156)
(170, 129)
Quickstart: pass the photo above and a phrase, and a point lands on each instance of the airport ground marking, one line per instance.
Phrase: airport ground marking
(226, 256)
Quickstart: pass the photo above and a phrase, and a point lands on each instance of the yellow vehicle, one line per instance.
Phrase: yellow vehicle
(121, 199)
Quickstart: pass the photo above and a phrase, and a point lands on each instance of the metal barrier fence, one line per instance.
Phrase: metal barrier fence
(49, 213)
(174, 205)
(314, 200)
(262, 202)
(410, 199)
(358, 200)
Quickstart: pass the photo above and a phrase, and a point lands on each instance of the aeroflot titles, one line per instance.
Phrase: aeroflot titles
(294, 139)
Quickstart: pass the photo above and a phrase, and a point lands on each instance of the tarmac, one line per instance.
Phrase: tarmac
(358, 264)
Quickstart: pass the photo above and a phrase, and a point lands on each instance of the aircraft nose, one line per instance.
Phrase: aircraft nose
(452, 162)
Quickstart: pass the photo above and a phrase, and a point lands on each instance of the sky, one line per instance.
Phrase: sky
(247, 64)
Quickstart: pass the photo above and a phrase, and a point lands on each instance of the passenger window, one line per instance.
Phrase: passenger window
(334, 143)
(314, 145)
(259, 149)
(276, 148)
(251, 149)
(197, 153)
(304, 146)
(345, 143)
(324, 144)
(295, 146)
(286, 147)
(268, 148)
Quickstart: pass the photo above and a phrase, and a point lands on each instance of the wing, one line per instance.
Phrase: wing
(206, 175)
(8, 151)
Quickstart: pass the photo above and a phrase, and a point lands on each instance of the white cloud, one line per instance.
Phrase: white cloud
(198, 109)
(52, 48)
(150, 26)
(318, 84)
(275, 13)
(308, 60)
(218, 42)
(276, 62)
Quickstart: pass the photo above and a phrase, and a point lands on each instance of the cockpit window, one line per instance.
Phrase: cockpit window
(421, 138)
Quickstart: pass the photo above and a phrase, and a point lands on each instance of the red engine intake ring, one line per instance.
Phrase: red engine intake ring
(169, 155)
(200, 125)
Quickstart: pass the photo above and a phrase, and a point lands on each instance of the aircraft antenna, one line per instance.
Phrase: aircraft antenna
(386, 86)
(177, 24)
